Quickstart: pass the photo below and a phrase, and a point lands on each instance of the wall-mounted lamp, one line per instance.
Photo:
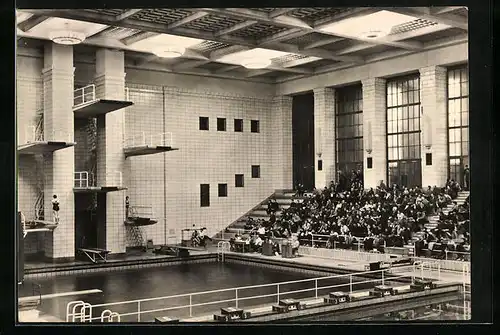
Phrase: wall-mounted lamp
(368, 139)
(319, 138)
(427, 132)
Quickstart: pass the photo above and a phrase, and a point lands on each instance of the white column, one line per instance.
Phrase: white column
(110, 84)
(59, 167)
(324, 135)
(434, 125)
(374, 131)
(282, 142)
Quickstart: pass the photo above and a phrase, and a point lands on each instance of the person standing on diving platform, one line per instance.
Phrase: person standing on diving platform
(55, 208)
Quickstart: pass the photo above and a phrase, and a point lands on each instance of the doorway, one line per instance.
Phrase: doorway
(90, 220)
(303, 140)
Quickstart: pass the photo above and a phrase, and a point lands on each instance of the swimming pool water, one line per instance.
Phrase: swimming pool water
(157, 282)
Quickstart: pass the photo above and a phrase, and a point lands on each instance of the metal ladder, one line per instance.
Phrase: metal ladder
(92, 161)
(78, 311)
(222, 247)
(109, 316)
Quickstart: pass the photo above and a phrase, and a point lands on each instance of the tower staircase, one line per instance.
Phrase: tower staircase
(283, 198)
(92, 147)
(92, 161)
(434, 219)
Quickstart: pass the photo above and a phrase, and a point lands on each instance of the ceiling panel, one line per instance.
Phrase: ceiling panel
(208, 46)
(161, 15)
(340, 45)
(258, 31)
(212, 23)
(440, 34)
(317, 13)
(411, 26)
(265, 10)
(119, 33)
(107, 11)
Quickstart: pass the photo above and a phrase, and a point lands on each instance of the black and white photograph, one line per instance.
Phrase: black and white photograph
(243, 165)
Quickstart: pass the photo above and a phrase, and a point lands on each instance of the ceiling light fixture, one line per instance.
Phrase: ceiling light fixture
(67, 36)
(256, 63)
(169, 52)
(375, 33)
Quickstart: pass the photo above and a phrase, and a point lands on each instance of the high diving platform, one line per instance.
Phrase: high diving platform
(37, 142)
(86, 105)
(140, 216)
(83, 184)
(148, 144)
(43, 147)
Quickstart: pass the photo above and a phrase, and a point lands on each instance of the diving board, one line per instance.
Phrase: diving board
(95, 254)
(36, 226)
(175, 249)
(139, 221)
(43, 147)
(98, 107)
(147, 144)
(140, 216)
(146, 150)
(57, 295)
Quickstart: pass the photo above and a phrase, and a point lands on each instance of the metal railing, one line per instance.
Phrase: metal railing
(113, 178)
(235, 296)
(84, 95)
(81, 179)
(141, 211)
(154, 140)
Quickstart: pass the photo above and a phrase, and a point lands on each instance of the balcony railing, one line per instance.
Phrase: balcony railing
(81, 179)
(141, 211)
(113, 178)
(155, 140)
(84, 95)
(88, 93)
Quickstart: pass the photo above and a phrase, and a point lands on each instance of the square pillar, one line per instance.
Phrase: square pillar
(374, 131)
(58, 82)
(110, 84)
(434, 125)
(282, 142)
(324, 136)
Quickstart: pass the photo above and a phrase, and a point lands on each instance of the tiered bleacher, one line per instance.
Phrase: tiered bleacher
(345, 215)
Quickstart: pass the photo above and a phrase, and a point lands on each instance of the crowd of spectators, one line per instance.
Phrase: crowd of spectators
(348, 215)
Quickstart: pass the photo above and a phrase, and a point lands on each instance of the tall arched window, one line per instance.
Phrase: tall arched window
(458, 122)
(403, 131)
(349, 128)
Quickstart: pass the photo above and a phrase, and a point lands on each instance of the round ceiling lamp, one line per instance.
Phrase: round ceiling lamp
(169, 52)
(375, 33)
(67, 37)
(256, 63)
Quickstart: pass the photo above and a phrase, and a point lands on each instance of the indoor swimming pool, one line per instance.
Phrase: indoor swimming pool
(156, 282)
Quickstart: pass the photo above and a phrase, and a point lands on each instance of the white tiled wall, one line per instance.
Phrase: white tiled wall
(170, 182)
